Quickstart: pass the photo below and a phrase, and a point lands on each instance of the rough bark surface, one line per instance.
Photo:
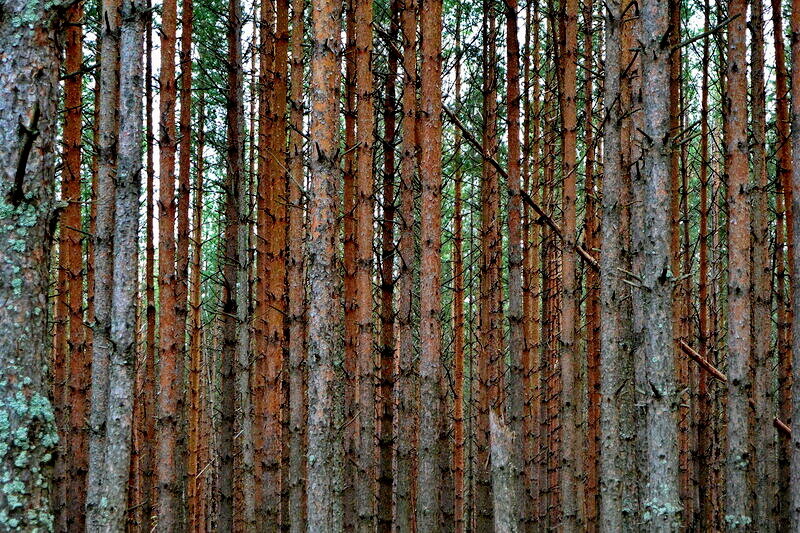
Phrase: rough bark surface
(324, 452)
(28, 38)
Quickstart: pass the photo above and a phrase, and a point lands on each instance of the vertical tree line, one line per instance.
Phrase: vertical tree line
(399, 265)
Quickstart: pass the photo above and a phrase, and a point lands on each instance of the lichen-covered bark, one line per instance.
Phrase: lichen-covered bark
(28, 151)
(661, 501)
(739, 497)
(324, 451)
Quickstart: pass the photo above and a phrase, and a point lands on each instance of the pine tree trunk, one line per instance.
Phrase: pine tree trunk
(406, 395)
(458, 310)
(324, 452)
(592, 240)
(366, 467)
(124, 299)
(739, 496)
(70, 247)
(350, 251)
(490, 356)
(761, 275)
(795, 224)
(661, 495)
(149, 385)
(298, 411)
(570, 471)
(386, 341)
(516, 404)
(194, 493)
(706, 487)
(430, 264)
(170, 369)
(96, 516)
(28, 35)
(783, 239)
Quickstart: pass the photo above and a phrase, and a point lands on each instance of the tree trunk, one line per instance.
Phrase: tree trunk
(504, 476)
(71, 264)
(795, 223)
(170, 369)
(28, 34)
(324, 452)
(366, 466)
(490, 356)
(96, 510)
(430, 265)
(386, 341)
(739, 505)
(516, 404)
(458, 309)
(761, 275)
(783, 239)
(570, 470)
(592, 240)
(149, 384)
(350, 251)
(662, 499)
(194, 490)
(706, 487)
(124, 299)
(406, 394)
(298, 411)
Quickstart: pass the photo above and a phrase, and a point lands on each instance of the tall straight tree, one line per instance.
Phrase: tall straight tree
(661, 497)
(570, 472)
(405, 386)
(71, 269)
(386, 341)
(516, 404)
(783, 235)
(430, 367)
(324, 453)
(761, 274)
(124, 298)
(28, 35)
(795, 85)
(366, 467)
(739, 494)
(170, 369)
(615, 352)
(298, 411)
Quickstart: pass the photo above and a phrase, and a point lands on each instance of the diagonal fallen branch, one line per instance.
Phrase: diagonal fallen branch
(544, 217)
(779, 424)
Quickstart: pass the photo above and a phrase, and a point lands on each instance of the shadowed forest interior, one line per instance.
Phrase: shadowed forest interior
(399, 265)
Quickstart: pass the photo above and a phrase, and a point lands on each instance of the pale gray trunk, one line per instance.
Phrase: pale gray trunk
(661, 502)
(505, 478)
(103, 260)
(124, 299)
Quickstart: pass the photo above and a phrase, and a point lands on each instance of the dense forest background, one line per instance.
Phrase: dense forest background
(399, 265)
